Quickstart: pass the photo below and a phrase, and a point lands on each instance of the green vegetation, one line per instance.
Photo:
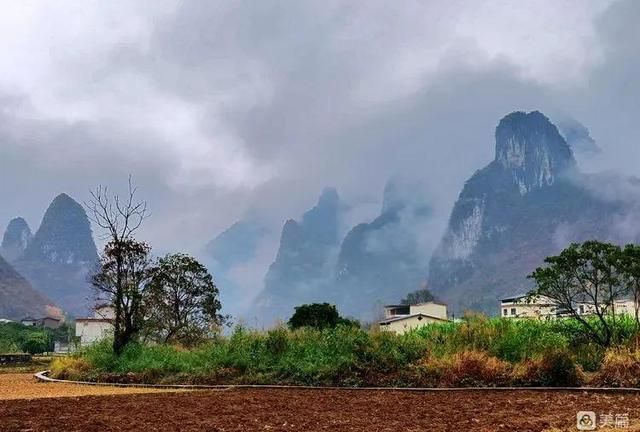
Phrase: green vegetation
(318, 316)
(595, 275)
(17, 338)
(475, 351)
(170, 300)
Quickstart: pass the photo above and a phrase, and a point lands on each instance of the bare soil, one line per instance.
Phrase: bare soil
(314, 410)
(25, 386)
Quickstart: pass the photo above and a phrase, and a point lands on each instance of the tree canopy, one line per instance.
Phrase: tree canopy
(182, 301)
(590, 276)
(318, 315)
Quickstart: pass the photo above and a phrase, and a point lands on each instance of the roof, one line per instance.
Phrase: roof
(515, 296)
(50, 318)
(431, 302)
(105, 320)
(404, 317)
(417, 304)
(29, 318)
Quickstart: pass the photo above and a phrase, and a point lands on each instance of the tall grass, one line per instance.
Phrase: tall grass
(522, 351)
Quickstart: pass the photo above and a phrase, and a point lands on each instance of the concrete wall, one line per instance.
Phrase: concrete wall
(90, 331)
(431, 309)
(407, 324)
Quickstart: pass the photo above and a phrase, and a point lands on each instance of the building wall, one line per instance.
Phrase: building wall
(431, 309)
(543, 310)
(626, 307)
(91, 331)
(404, 325)
(524, 310)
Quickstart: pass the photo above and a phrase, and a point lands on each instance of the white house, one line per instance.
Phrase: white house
(523, 306)
(403, 318)
(93, 329)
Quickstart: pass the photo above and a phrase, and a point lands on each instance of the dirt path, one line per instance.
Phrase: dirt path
(24, 386)
(309, 410)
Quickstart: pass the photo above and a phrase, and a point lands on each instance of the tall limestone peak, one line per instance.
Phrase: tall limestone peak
(305, 258)
(516, 211)
(531, 148)
(64, 235)
(16, 239)
(384, 259)
(61, 255)
(321, 222)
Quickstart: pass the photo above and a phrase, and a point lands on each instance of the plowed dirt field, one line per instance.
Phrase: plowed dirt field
(312, 410)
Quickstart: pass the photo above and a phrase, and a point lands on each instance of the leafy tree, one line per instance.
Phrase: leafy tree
(584, 274)
(630, 275)
(420, 296)
(36, 343)
(318, 315)
(123, 276)
(119, 275)
(182, 301)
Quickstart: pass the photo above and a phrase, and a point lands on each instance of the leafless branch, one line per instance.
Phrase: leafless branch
(120, 219)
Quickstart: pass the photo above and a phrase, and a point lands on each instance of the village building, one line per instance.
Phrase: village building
(92, 329)
(541, 307)
(403, 318)
(47, 322)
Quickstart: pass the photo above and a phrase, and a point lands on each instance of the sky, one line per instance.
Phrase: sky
(221, 110)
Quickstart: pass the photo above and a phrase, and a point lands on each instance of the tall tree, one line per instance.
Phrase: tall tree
(630, 275)
(182, 301)
(123, 256)
(586, 274)
(125, 270)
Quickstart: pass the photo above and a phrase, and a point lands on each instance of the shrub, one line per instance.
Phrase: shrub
(320, 316)
(35, 343)
(468, 369)
(73, 368)
(555, 368)
(620, 368)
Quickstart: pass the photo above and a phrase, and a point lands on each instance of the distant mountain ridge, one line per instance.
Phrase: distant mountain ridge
(305, 258)
(529, 202)
(382, 260)
(18, 298)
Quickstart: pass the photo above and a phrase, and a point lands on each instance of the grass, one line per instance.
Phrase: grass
(476, 351)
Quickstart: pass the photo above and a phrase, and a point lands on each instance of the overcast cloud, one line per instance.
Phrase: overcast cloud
(224, 108)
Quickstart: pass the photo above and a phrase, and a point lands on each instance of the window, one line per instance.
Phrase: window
(581, 309)
(513, 311)
(505, 312)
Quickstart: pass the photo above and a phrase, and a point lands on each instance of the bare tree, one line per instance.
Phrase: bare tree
(124, 261)
(120, 219)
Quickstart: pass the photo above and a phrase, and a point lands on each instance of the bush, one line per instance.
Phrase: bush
(555, 368)
(477, 351)
(35, 343)
(469, 369)
(72, 368)
(620, 368)
(319, 316)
